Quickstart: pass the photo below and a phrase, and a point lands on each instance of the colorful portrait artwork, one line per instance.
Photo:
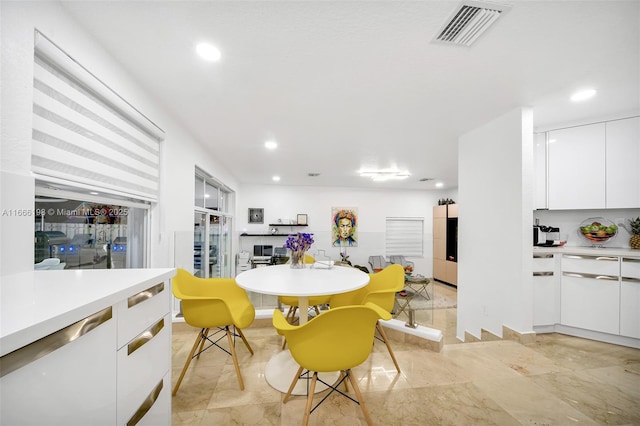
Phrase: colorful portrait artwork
(344, 227)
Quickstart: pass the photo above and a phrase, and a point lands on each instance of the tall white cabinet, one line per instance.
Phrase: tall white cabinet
(623, 163)
(595, 166)
(576, 168)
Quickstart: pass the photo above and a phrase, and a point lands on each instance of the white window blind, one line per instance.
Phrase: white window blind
(85, 134)
(404, 236)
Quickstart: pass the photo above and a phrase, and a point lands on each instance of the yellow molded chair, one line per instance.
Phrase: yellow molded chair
(293, 302)
(381, 290)
(336, 340)
(213, 303)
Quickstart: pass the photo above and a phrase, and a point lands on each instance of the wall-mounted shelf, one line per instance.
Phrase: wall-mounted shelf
(264, 235)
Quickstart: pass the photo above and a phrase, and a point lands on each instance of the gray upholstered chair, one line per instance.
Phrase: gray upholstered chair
(378, 263)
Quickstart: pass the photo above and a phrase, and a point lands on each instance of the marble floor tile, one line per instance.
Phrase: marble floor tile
(558, 380)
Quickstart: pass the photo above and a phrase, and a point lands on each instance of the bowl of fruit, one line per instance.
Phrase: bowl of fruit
(597, 230)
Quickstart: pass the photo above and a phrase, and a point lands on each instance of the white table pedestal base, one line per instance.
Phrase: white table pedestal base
(281, 369)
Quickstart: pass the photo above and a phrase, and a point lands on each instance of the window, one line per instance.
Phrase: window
(404, 236)
(211, 227)
(89, 232)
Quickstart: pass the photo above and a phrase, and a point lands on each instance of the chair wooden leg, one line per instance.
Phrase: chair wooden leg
(186, 364)
(205, 333)
(244, 339)
(386, 342)
(235, 357)
(293, 384)
(312, 390)
(356, 389)
(284, 343)
(316, 309)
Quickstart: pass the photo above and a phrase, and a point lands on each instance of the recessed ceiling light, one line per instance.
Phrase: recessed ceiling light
(271, 144)
(583, 95)
(208, 52)
(94, 193)
(439, 184)
(276, 178)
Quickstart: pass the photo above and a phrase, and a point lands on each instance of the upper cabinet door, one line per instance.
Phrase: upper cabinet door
(576, 167)
(623, 163)
(540, 171)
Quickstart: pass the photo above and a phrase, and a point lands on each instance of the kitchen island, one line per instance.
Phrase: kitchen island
(588, 292)
(86, 347)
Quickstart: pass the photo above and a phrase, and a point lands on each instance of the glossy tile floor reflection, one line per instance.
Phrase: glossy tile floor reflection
(558, 380)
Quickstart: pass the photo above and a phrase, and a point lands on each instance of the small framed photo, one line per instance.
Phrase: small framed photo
(256, 215)
(302, 219)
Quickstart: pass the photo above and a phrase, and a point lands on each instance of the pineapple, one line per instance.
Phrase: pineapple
(634, 241)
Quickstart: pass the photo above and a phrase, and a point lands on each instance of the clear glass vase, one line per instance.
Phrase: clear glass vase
(297, 259)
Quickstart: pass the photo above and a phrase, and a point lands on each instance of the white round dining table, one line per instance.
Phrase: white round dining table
(282, 280)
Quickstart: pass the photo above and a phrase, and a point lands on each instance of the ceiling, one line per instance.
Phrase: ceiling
(343, 85)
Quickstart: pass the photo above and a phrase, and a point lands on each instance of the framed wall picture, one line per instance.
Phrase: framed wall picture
(344, 225)
(256, 215)
(302, 219)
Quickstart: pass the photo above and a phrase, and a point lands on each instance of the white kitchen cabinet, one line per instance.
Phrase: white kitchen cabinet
(623, 163)
(546, 290)
(590, 293)
(86, 347)
(70, 385)
(576, 167)
(630, 297)
(540, 171)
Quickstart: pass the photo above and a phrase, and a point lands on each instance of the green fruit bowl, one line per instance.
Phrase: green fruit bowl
(597, 230)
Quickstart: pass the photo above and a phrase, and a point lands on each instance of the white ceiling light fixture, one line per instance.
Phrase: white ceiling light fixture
(439, 184)
(271, 144)
(382, 175)
(583, 95)
(469, 21)
(276, 178)
(208, 52)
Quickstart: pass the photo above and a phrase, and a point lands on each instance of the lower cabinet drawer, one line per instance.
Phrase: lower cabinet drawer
(142, 363)
(630, 267)
(141, 310)
(598, 265)
(590, 303)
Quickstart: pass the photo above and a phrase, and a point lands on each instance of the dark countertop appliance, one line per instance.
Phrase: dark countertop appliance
(546, 236)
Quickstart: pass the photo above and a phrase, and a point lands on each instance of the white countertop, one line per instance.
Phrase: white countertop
(35, 304)
(589, 251)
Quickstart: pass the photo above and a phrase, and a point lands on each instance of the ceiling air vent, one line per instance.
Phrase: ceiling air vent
(469, 21)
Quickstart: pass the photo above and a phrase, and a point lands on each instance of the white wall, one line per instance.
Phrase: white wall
(285, 202)
(180, 151)
(494, 249)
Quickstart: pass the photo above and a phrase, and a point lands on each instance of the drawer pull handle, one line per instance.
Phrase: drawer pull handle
(36, 350)
(145, 295)
(543, 274)
(145, 336)
(594, 276)
(577, 256)
(631, 280)
(630, 259)
(542, 256)
(146, 404)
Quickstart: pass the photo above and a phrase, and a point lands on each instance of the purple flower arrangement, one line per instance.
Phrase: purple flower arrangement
(298, 244)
